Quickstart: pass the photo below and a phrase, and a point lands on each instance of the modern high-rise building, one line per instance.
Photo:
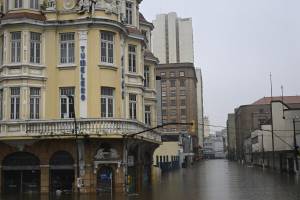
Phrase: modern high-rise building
(200, 107)
(63, 60)
(206, 126)
(173, 39)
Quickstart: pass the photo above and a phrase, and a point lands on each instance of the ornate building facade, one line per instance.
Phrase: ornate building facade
(87, 60)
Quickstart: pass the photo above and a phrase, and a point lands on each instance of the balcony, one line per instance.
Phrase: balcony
(64, 128)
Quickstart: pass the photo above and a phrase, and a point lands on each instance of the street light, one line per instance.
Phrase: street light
(78, 179)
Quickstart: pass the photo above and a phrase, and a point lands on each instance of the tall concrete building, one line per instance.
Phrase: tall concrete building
(200, 107)
(206, 127)
(173, 39)
(89, 59)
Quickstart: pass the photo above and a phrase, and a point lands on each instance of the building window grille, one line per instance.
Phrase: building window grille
(107, 47)
(132, 106)
(15, 103)
(67, 48)
(35, 47)
(129, 11)
(148, 115)
(1, 104)
(34, 4)
(15, 47)
(66, 103)
(107, 102)
(147, 76)
(35, 103)
(132, 58)
(18, 3)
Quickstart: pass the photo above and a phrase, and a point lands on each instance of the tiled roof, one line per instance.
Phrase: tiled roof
(134, 31)
(286, 99)
(143, 20)
(148, 54)
(22, 15)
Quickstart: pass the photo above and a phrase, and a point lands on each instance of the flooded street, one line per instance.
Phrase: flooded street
(212, 180)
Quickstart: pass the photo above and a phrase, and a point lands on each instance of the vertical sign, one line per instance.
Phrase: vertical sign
(83, 73)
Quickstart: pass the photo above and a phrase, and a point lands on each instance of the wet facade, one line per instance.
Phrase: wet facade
(84, 60)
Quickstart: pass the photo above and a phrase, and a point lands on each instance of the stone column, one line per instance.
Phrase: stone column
(45, 179)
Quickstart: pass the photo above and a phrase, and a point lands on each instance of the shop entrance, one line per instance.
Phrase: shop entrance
(21, 173)
(105, 180)
(62, 172)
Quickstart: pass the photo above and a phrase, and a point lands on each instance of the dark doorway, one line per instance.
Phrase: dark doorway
(105, 180)
(62, 172)
(21, 173)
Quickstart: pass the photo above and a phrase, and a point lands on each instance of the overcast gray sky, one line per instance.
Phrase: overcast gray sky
(237, 44)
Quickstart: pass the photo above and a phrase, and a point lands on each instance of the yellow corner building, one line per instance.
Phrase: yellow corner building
(76, 78)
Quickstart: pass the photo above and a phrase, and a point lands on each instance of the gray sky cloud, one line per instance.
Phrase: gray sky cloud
(237, 44)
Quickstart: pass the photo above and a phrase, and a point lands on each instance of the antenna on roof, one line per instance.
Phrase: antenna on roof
(271, 83)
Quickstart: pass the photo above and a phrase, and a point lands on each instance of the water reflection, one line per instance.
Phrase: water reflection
(208, 180)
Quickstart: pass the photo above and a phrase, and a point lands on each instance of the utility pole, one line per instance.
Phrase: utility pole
(76, 146)
(295, 146)
(272, 129)
(263, 150)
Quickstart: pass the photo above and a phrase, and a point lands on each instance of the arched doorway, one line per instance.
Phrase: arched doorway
(62, 172)
(21, 173)
(105, 177)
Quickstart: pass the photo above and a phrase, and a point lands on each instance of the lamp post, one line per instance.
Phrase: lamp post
(76, 142)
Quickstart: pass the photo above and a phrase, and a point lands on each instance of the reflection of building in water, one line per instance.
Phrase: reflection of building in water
(56, 62)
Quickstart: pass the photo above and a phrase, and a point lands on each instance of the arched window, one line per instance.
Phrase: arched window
(61, 158)
(21, 159)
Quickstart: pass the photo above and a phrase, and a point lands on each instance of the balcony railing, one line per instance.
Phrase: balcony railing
(66, 127)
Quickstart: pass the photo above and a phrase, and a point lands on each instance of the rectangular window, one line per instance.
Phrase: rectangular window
(173, 102)
(132, 106)
(147, 77)
(129, 11)
(18, 3)
(132, 58)
(107, 102)
(1, 104)
(173, 112)
(162, 74)
(183, 112)
(172, 74)
(16, 47)
(173, 83)
(67, 102)
(35, 103)
(34, 4)
(107, 47)
(164, 112)
(35, 47)
(148, 115)
(182, 83)
(181, 74)
(173, 93)
(67, 48)
(15, 103)
(164, 94)
(182, 102)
